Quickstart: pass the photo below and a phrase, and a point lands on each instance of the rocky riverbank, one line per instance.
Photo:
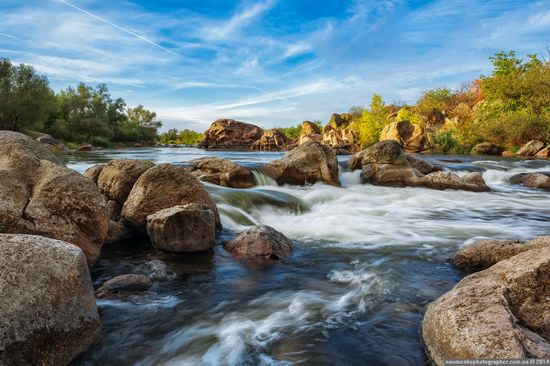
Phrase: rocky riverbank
(60, 220)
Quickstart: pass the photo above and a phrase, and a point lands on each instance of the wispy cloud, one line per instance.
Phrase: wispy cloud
(118, 27)
(238, 20)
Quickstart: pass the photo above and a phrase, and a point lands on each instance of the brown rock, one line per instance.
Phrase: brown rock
(508, 154)
(188, 228)
(86, 148)
(228, 134)
(486, 148)
(544, 153)
(47, 140)
(501, 312)
(484, 253)
(531, 148)
(48, 312)
(118, 232)
(532, 180)
(124, 285)
(309, 128)
(386, 164)
(92, 173)
(222, 172)
(410, 136)
(309, 163)
(38, 195)
(271, 140)
(114, 210)
(260, 241)
(117, 178)
(160, 187)
(338, 122)
(311, 137)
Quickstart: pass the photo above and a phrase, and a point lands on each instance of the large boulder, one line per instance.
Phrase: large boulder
(86, 148)
(532, 180)
(117, 178)
(260, 241)
(228, 134)
(484, 253)
(160, 187)
(410, 136)
(271, 140)
(188, 228)
(310, 137)
(308, 163)
(386, 164)
(48, 312)
(485, 148)
(38, 195)
(531, 148)
(222, 172)
(501, 312)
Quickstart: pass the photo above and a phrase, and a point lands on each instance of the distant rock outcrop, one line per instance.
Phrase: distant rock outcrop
(228, 134)
(531, 148)
(410, 136)
(271, 140)
(335, 134)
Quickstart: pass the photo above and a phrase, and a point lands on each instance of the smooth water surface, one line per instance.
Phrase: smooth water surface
(367, 260)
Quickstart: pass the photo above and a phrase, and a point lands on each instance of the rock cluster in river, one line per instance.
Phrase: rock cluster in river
(386, 164)
(228, 134)
(222, 172)
(500, 312)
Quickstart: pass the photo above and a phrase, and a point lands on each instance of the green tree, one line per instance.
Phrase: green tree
(372, 121)
(25, 97)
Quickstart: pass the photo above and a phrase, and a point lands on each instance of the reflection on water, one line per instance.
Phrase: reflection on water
(367, 261)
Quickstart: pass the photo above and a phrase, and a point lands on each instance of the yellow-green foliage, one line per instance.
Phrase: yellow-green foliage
(406, 113)
(371, 122)
(184, 137)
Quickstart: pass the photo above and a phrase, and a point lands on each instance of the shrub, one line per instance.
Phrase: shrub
(444, 142)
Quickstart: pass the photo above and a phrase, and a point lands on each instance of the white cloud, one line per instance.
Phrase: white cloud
(296, 49)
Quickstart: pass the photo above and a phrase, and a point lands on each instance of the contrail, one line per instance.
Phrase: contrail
(118, 27)
(9, 36)
(159, 46)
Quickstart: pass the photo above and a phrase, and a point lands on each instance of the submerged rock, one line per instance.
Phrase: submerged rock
(386, 164)
(188, 228)
(260, 241)
(38, 195)
(310, 162)
(501, 312)
(48, 313)
(164, 186)
(124, 285)
(86, 148)
(410, 136)
(159, 270)
(532, 180)
(222, 172)
(228, 134)
(485, 253)
(118, 177)
(531, 148)
(485, 148)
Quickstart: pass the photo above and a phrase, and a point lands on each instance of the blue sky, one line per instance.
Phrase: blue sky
(269, 62)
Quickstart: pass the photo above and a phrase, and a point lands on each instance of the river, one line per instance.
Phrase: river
(366, 262)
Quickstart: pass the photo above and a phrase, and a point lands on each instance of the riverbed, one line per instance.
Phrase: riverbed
(366, 262)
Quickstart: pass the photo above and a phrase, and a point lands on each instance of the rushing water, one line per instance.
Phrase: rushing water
(367, 260)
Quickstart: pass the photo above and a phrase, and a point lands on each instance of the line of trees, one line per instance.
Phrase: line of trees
(508, 108)
(77, 115)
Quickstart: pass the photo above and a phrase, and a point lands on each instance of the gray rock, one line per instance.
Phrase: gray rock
(48, 313)
(124, 285)
(187, 228)
(260, 241)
